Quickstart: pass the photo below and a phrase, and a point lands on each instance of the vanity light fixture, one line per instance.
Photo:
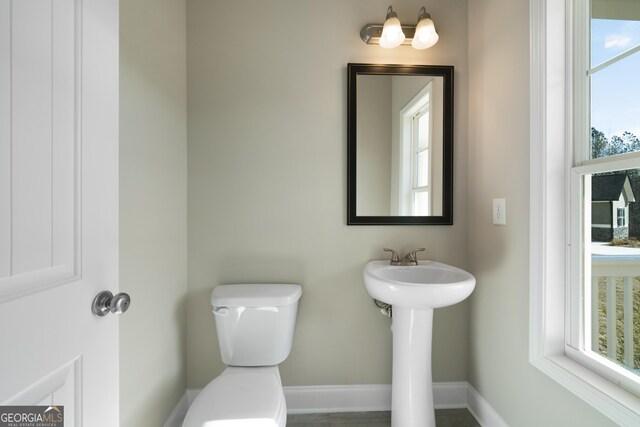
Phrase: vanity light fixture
(393, 34)
(425, 35)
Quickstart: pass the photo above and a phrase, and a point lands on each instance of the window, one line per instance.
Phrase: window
(583, 92)
(421, 159)
(415, 169)
(621, 217)
(606, 271)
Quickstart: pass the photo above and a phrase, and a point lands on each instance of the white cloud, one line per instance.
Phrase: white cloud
(616, 41)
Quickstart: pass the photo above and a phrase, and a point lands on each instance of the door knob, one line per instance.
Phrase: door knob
(105, 302)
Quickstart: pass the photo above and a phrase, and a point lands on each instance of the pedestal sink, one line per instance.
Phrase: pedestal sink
(414, 291)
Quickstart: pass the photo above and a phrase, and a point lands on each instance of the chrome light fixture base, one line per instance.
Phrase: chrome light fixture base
(371, 33)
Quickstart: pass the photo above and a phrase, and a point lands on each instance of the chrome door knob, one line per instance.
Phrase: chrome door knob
(120, 303)
(105, 302)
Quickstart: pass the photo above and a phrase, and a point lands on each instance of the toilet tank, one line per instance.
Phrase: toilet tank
(255, 322)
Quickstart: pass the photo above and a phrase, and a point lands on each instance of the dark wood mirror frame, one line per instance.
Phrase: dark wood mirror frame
(445, 71)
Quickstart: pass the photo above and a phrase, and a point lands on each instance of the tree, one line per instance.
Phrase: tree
(632, 141)
(602, 147)
(616, 146)
(599, 143)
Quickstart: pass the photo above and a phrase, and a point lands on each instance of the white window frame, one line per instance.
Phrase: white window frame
(408, 153)
(554, 103)
(415, 143)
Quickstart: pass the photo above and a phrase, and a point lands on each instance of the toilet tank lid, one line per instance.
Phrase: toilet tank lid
(255, 295)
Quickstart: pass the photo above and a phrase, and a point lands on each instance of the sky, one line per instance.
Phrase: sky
(615, 90)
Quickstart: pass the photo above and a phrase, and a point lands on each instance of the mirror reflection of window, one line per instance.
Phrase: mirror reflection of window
(415, 168)
(421, 142)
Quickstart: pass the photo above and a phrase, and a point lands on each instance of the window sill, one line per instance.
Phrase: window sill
(619, 405)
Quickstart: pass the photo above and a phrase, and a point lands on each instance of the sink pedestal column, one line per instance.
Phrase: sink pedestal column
(412, 383)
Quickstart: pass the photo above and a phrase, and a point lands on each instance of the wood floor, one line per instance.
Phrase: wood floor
(444, 418)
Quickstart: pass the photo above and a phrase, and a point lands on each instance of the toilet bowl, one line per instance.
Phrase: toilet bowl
(255, 325)
(240, 397)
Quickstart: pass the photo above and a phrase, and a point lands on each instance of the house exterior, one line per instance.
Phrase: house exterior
(610, 199)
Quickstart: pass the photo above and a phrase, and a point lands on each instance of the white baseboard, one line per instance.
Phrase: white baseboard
(364, 398)
(449, 395)
(340, 398)
(481, 410)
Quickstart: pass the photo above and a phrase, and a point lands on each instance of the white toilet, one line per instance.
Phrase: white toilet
(255, 325)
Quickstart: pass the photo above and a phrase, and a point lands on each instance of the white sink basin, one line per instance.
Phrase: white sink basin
(413, 292)
(429, 284)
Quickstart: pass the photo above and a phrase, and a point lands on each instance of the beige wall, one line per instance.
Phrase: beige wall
(267, 180)
(153, 214)
(498, 167)
(373, 131)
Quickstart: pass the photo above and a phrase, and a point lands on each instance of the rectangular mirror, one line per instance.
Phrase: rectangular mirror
(400, 145)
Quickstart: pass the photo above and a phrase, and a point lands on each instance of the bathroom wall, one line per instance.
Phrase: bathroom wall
(153, 209)
(373, 127)
(499, 167)
(267, 180)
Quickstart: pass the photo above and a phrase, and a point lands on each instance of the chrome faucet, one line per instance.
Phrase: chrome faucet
(408, 259)
(395, 259)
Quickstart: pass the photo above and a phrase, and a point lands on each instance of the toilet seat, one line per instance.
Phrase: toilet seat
(240, 396)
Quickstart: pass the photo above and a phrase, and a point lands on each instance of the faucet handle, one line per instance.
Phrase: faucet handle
(395, 258)
(414, 252)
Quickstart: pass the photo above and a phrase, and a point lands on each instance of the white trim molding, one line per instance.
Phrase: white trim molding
(364, 398)
(550, 158)
(340, 398)
(481, 410)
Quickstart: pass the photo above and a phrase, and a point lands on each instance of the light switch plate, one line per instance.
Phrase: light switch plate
(499, 212)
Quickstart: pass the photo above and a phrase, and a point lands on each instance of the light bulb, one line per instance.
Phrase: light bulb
(392, 35)
(425, 35)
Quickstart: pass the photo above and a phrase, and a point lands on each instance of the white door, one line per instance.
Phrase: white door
(59, 206)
